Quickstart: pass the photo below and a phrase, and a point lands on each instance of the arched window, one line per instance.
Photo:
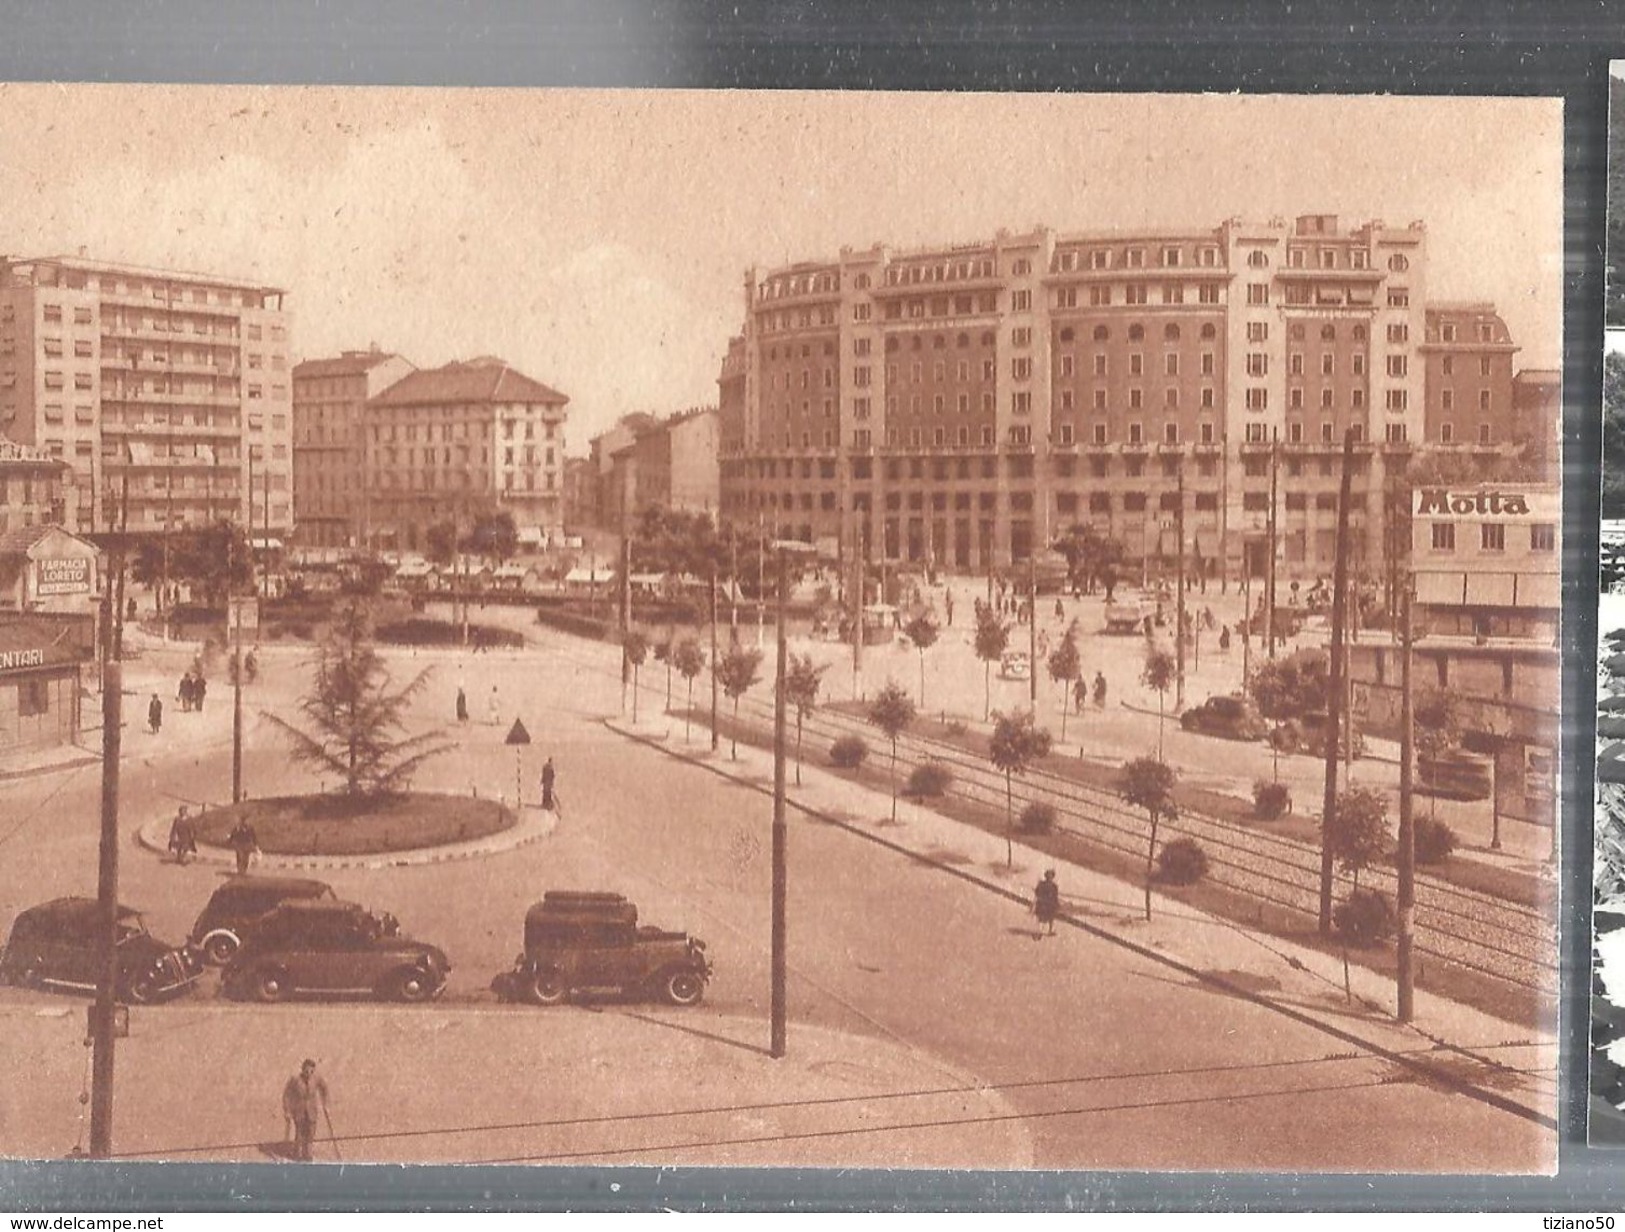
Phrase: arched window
(987, 338)
(861, 282)
(891, 345)
(1398, 263)
(1102, 333)
(1068, 334)
(1359, 333)
(938, 341)
(1257, 258)
(1328, 333)
(963, 340)
(1170, 332)
(1136, 333)
(1209, 333)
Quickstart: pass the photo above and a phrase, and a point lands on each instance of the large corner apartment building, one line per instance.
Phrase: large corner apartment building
(962, 404)
(167, 395)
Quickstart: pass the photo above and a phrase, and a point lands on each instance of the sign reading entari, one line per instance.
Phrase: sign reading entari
(11, 660)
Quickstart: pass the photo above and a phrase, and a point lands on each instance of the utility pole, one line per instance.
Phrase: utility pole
(1032, 625)
(761, 581)
(237, 703)
(1179, 582)
(733, 586)
(857, 605)
(1336, 665)
(780, 834)
(102, 1026)
(1269, 577)
(1407, 829)
(1224, 515)
(714, 734)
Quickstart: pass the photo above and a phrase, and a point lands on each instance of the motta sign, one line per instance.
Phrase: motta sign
(63, 576)
(12, 660)
(1480, 501)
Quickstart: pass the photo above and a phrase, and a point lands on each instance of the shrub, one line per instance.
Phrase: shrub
(1435, 841)
(956, 727)
(1365, 918)
(848, 752)
(1181, 862)
(930, 778)
(1271, 800)
(1288, 737)
(1037, 818)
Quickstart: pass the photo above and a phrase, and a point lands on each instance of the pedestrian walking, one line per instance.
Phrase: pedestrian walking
(1100, 690)
(1060, 608)
(183, 694)
(1080, 694)
(493, 708)
(948, 606)
(1047, 903)
(462, 705)
(182, 836)
(155, 715)
(304, 1102)
(549, 778)
(244, 842)
(199, 690)
(1224, 637)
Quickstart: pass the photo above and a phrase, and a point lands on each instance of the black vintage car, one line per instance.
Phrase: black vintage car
(229, 918)
(57, 945)
(1233, 718)
(328, 948)
(590, 942)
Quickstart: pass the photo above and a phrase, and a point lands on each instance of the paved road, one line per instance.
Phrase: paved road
(1105, 1058)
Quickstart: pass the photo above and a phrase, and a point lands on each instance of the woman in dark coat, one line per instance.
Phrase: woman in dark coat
(1047, 901)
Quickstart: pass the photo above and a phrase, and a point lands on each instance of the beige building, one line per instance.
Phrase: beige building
(50, 586)
(457, 442)
(30, 486)
(959, 404)
(329, 455)
(172, 390)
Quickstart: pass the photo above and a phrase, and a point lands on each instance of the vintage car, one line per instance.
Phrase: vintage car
(1455, 774)
(234, 907)
(1126, 616)
(589, 941)
(328, 948)
(57, 945)
(1234, 718)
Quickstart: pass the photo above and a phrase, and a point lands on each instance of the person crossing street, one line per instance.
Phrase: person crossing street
(304, 1101)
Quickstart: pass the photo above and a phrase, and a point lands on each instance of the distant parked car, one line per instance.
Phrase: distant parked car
(58, 945)
(239, 902)
(1015, 665)
(1232, 717)
(1455, 774)
(1126, 616)
(328, 948)
(590, 941)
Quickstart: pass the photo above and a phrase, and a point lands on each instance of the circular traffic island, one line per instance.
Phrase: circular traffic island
(337, 825)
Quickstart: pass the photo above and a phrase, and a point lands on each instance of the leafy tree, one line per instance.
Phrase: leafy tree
(1159, 674)
(494, 536)
(1438, 722)
(1065, 666)
(1017, 743)
(636, 649)
(354, 714)
(1091, 557)
(892, 711)
(440, 542)
(1358, 835)
(1288, 688)
(213, 562)
(1148, 783)
(736, 672)
(992, 636)
(922, 632)
(802, 678)
(689, 660)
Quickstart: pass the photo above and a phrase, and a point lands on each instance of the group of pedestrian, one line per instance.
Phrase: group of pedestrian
(1081, 692)
(194, 688)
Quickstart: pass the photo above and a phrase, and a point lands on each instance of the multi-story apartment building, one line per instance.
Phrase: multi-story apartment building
(963, 404)
(30, 486)
(329, 455)
(609, 486)
(668, 463)
(166, 394)
(456, 442)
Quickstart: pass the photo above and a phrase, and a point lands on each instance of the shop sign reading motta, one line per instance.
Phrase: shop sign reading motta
(1483, 503)
(63, 576)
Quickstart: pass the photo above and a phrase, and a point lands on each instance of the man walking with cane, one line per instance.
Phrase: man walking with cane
(304, 1099)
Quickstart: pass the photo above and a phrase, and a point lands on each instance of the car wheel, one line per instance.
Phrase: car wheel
(219, 948)
(144, 988)
(684, 987)
(547, 987)
(412, 985)
(269, 984)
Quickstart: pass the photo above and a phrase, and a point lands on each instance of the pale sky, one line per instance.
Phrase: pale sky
(597, 240)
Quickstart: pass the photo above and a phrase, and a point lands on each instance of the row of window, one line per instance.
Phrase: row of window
(1492, 537)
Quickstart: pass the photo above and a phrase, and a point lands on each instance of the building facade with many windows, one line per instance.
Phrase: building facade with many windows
(461, 441)
(962, 404)
(166, 394)
(329, 455)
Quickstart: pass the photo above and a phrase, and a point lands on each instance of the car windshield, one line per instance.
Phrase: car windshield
(130, 927)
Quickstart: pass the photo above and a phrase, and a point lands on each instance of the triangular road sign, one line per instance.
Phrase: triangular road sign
(517, 733)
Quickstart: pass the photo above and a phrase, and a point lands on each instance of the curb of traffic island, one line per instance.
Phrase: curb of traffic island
(1439, 1073)
(533, 825)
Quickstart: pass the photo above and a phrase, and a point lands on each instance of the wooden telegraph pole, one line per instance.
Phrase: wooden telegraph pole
(1179, 581)
(102, 1014)
(1405, 973)
(1337, 661)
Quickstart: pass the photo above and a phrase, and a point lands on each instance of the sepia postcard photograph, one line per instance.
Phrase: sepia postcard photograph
(835, 630)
